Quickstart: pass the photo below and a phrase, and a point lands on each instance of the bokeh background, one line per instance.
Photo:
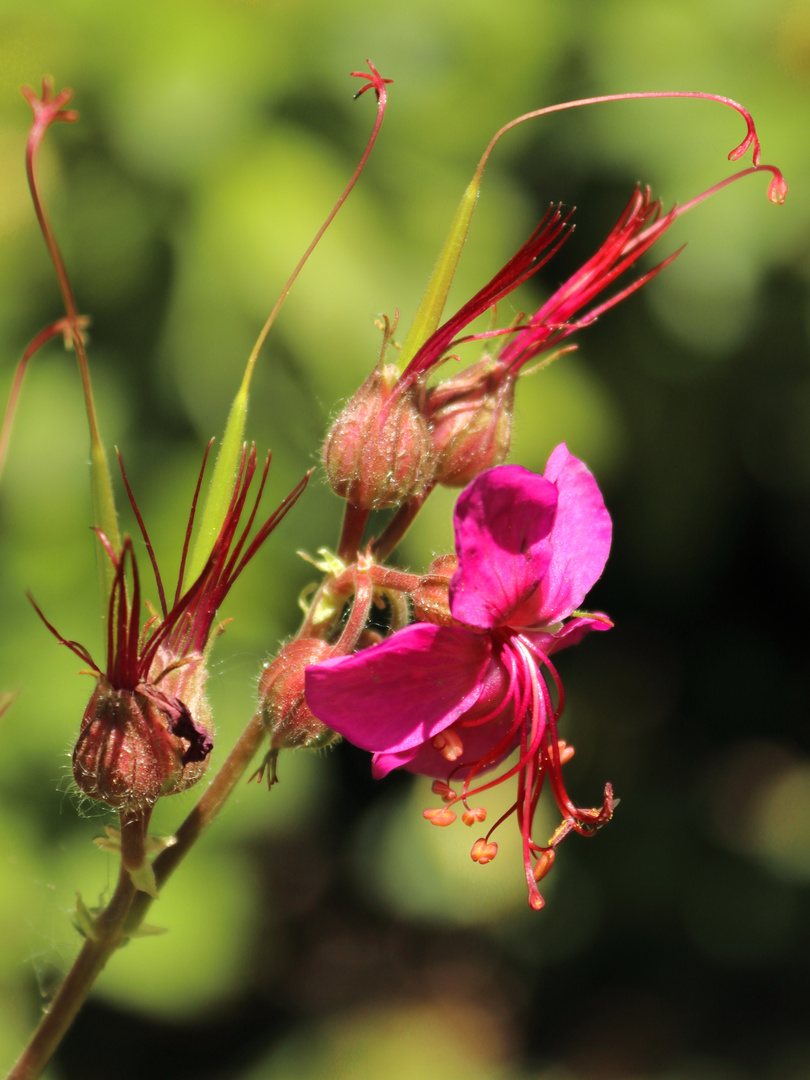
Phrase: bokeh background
(324, 928)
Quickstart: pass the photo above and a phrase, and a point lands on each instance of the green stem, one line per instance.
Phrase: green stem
(399, 525)
(223, 784)
(109, 934)
(125, 912)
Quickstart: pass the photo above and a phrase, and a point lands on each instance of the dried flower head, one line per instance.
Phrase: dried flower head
(147, 729)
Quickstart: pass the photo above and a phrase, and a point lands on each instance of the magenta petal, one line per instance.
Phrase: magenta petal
(502, 520)
(402, 692)
(571, 633)
(383, 762)
(580, 540)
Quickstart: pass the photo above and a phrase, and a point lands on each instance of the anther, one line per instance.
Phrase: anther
(565, 751)
(443, 790)
(448, 744)
(544, 863)
(442, 816)
(483, 851)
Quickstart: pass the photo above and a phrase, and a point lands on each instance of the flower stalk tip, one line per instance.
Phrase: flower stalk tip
(375, 82)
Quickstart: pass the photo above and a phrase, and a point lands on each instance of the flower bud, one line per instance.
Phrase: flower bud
(431, 601)
(471, 420)
(136, 745)
(283, 706)
(378, 453)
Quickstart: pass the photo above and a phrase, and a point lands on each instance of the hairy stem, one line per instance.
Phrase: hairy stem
(126, 911)
(108, 936)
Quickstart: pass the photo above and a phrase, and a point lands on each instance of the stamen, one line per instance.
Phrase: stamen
(470, 817)
(449, 744)
(565, 751)
(443, 816)
(483, 852)
(544, 863)
(444, 791)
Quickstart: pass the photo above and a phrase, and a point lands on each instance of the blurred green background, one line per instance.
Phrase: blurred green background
(325, 928)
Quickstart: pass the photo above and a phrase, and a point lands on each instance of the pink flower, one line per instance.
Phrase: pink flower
(454, 700)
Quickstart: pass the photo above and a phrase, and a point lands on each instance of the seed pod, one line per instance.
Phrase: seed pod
(378, 453)
(136, 745)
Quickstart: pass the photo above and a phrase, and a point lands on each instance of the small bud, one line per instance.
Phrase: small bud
(378, 453)
(431, 601)
(471, 421)
(283, 706)
(137, 745)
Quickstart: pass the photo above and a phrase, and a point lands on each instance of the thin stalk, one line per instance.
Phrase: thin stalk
(47, 110)
(203, 814)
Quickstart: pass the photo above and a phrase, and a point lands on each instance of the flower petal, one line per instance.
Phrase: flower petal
(502, 520)
(402, 692)
(571, 633)
(480, 730)
(580, 541)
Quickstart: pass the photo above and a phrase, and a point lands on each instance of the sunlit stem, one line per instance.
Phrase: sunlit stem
(126, 911)
(432, 304)
(355, 519)
(399, 524)
(46, 111)
(107, 937)
(227, 459)
(750, 139)
(54, 330)
(203, 814)
(777, 189)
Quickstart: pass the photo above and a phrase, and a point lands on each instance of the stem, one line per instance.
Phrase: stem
(59, 327)
(355, 519)
(399, 525)
(223, 784)
(125, 912)
(94, 954)
(48, 110)
(376, 83)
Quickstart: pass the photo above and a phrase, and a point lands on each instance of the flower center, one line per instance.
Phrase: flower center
(523, 716)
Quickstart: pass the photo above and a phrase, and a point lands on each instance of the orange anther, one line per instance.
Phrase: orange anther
(449, 744)
(478, 813)
(442, 816)
(566, 752)
(443, 790)
(544, 864)
(483, 851)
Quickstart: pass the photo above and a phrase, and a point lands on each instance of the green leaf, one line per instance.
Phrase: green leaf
(431, 307)
(222, 483)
